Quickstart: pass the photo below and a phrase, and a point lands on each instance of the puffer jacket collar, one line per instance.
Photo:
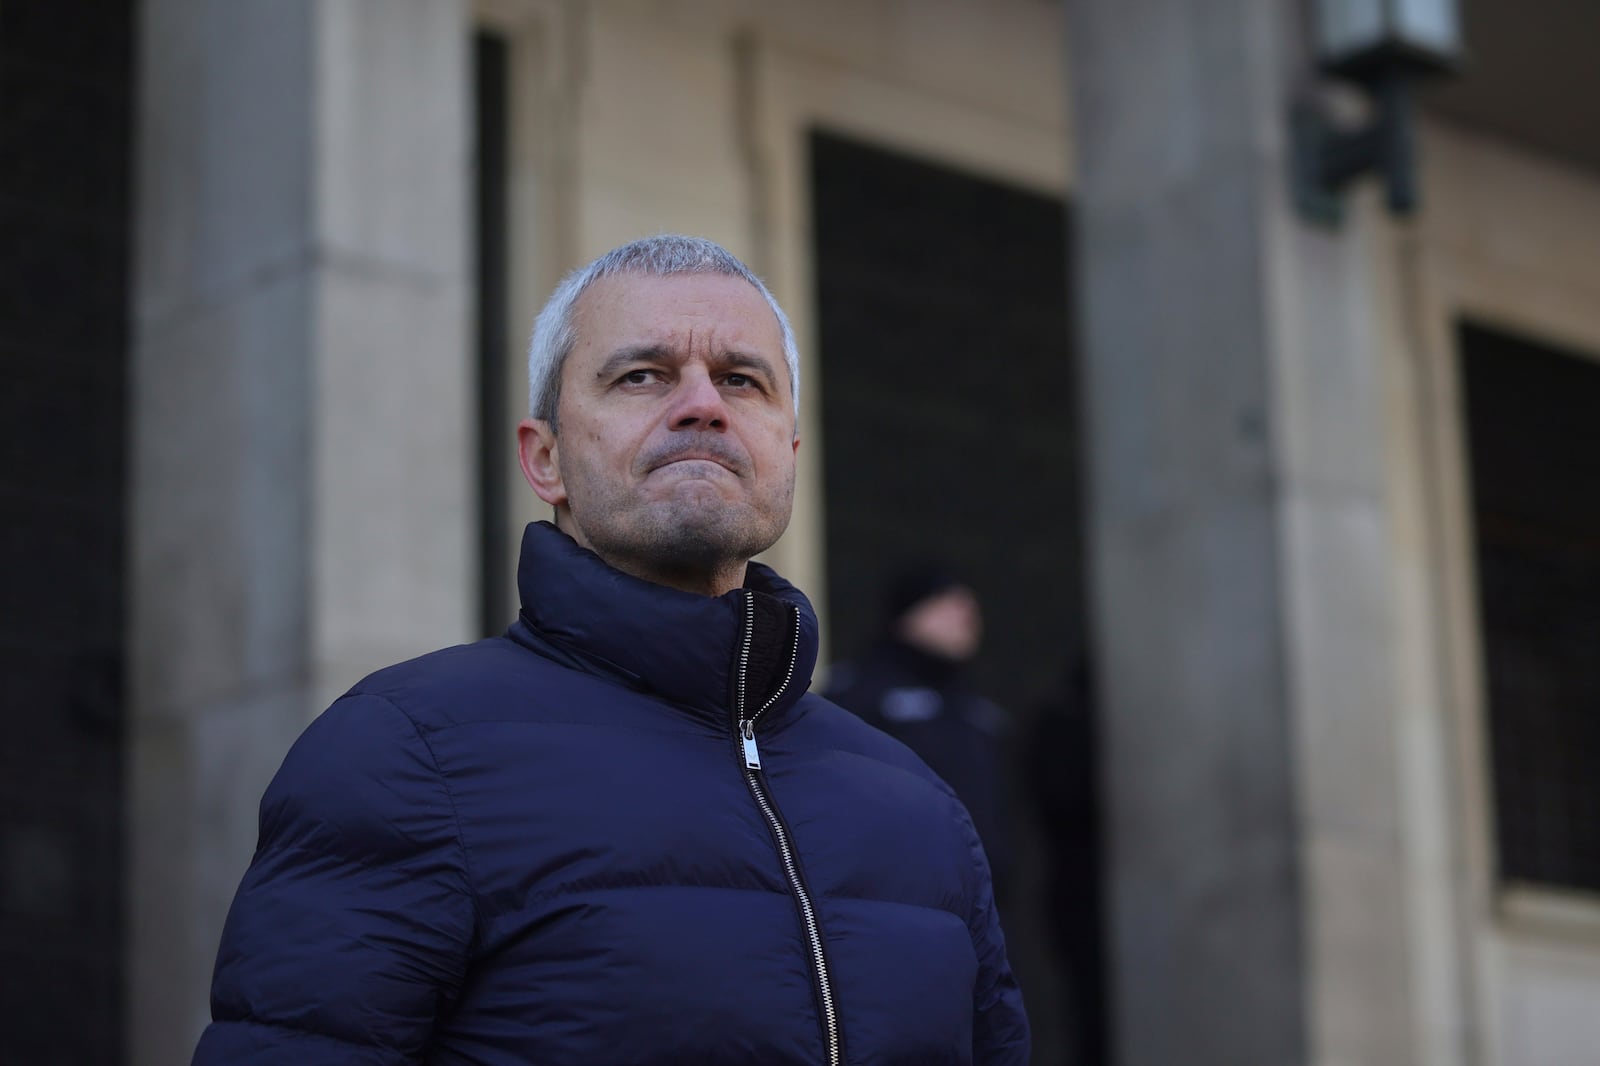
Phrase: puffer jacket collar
(677, 645)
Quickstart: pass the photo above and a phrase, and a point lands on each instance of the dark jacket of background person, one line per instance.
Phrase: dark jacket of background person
(1059, 769)
(923, 700)
(542, 848)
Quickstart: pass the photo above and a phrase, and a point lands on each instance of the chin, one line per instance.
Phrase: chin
(696, 533)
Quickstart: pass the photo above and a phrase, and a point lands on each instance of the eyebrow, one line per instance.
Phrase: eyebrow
(648, 352)
(751, 361)
(631, 354)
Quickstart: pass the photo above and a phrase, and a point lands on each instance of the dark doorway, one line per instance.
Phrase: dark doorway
(950, 433)
(66, 119)
(948, 402)
(1533, 433)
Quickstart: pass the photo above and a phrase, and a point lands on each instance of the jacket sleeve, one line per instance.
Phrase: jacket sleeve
(1000, 1034)
(349, 935)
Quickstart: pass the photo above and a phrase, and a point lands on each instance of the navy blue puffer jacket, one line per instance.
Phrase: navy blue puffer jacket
(555, 847)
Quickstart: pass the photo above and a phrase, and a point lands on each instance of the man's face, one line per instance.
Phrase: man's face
(676, 452)
(949, 624)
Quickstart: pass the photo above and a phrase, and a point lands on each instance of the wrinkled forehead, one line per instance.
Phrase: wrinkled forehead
(702, 310)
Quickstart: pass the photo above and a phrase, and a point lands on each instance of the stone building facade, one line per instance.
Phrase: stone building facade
(1296, 499)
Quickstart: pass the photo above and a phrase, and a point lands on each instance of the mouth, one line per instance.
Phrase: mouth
(688, 462)
(709, 454)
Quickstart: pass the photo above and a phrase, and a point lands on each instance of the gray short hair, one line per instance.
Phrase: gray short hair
(554, 334)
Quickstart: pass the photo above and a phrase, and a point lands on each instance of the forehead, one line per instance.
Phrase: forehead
(682, 310)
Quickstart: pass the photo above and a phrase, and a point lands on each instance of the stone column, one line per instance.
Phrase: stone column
(1240, 554)
(301, 468)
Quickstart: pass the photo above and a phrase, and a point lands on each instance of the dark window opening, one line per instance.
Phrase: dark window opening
(492, 97)
(67, 122)
(950, 433)
(1533, 433)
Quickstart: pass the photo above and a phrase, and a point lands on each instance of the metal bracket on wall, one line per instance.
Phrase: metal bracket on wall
(1327, 156)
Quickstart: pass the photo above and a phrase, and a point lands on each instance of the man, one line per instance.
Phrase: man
(622, 832)
(912, 684)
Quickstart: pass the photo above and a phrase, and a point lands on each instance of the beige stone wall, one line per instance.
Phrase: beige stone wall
(1511, 239)
(1408, 932)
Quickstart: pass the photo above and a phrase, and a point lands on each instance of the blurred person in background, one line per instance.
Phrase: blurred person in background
(913, 685)
(623, 831)
(1059, 770)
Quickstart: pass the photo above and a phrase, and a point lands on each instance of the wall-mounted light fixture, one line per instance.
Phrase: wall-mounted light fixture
(1384, 46)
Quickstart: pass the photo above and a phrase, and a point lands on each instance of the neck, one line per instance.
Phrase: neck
(711, 579)
(701, 582)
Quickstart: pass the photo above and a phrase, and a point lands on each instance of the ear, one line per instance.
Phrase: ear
(540, 454)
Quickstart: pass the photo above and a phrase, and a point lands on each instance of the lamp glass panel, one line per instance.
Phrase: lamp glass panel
(1347, 28)
(1430, 25)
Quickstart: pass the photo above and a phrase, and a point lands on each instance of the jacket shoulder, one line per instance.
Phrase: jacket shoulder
(831, 725)
(440, 688)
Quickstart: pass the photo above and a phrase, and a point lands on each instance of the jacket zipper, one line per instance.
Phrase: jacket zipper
(746, 728)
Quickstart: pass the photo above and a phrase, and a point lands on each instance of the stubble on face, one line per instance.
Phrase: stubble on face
(691, 531)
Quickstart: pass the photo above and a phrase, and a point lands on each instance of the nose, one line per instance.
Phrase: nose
(697, 402)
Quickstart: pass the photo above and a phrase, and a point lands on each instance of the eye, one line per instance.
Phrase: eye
(744, 382)
(638, 377)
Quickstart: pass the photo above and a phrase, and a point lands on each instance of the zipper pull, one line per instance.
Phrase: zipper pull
(752, 757)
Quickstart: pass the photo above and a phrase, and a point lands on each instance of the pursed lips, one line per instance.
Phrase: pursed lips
(695, 457)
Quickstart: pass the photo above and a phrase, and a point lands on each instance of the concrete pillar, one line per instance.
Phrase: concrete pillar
(1240, 555)
(301, 469)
